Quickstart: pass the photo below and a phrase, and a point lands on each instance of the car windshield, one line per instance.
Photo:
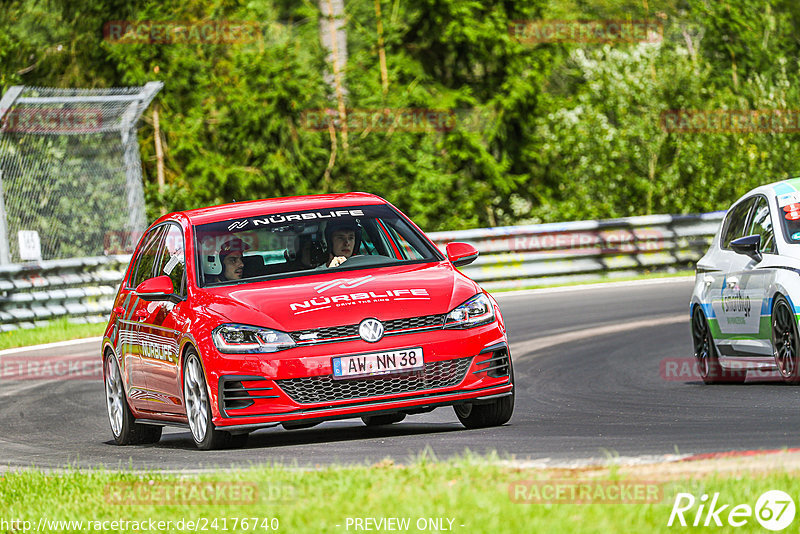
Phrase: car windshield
(306, 242)
(790, 217)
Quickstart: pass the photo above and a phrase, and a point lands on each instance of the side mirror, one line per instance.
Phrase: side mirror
(461, 254)
(749, 246)
(157, 289)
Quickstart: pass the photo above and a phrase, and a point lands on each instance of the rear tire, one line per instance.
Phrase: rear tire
(198, 409)
(383, 420)
(495, 413)
(705, 353)
(124, 428)
(785, 340)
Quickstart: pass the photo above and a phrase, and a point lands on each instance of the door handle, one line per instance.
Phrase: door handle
(732, 282)
(140, 314)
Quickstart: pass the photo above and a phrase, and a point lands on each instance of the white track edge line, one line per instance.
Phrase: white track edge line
(53, 345)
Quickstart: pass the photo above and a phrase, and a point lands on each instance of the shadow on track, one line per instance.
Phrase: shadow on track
(276, 438)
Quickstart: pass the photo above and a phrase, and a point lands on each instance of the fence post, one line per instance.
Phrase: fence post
(137, 219)
(5, 251)
(5, 105)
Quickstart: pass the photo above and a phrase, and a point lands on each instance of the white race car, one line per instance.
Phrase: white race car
(743, 309)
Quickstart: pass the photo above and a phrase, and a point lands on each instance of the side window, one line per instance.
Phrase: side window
(762, 225)
(147, 256)
(172, 261)
(735, 223)
(406, 250)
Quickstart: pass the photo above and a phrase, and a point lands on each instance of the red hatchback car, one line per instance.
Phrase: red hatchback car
(295, 311)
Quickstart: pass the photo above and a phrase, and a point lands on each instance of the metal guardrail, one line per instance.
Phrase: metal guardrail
(542, 254)
(83, 289)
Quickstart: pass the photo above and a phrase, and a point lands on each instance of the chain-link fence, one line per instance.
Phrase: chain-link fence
(70, 170)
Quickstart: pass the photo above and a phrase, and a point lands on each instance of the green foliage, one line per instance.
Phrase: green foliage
(56, 330)
(545, 131)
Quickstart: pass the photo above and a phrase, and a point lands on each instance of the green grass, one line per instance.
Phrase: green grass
(471, 491)
(58, 330)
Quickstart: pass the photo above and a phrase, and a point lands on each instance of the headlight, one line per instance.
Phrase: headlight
(476, 311)
(237, 339)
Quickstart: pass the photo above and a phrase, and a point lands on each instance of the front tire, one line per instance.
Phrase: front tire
(705, 354)
(198, 409)
(124, 428)
(495, 413)
(785, 340)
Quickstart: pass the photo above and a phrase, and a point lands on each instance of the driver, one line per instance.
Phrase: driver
(343, 239)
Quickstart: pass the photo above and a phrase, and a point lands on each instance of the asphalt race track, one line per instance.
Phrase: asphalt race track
(592, 381)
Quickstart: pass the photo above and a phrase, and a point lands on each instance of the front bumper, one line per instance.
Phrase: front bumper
(252, 391)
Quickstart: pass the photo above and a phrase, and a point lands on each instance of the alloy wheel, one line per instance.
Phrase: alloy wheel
(114, 395)
(784, 339)
(196, 399)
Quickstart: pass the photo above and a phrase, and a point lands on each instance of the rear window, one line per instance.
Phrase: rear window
(307, 242)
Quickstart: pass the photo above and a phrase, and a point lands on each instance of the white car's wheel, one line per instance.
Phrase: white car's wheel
(705, 353)
(785, 340)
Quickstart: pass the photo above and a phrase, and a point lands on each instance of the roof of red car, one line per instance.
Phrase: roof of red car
(268, 206)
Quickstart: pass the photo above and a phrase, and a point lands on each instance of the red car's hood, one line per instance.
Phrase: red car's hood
(334, 298)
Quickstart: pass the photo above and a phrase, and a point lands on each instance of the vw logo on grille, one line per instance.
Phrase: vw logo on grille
(370, 330)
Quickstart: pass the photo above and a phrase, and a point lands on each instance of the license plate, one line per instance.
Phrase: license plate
(378, 363)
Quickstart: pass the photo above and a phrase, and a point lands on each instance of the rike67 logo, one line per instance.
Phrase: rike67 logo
(774, 510)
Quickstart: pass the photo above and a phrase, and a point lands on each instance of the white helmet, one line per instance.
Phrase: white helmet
(212, 263)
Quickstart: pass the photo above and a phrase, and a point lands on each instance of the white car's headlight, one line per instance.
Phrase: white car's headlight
(476, 311)
(238, 338)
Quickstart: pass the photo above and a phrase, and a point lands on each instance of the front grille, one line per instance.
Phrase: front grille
(426, 321)
(393, 326)
(329, 332)
(435, 375)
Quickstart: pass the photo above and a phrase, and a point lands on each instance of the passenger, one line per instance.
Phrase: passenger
(230, 255)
